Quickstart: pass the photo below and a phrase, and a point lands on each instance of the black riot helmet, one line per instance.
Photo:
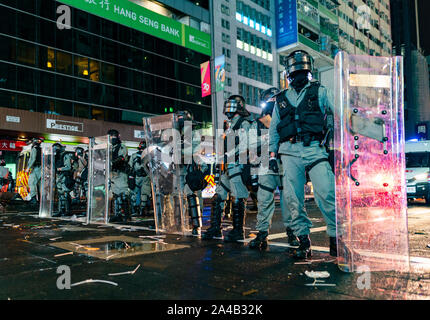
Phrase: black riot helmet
(114, 134)
(235, 104)
(79, 151)
(267, 100)
(142, 145)
(36, 141)
(297, 61)
(57, 147)
(183, 116)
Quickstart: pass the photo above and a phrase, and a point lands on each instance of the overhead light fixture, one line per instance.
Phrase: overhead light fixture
(49, 64)
(85, 73)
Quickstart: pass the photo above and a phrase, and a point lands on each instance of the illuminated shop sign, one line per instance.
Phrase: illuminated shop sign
(286, 22)
(134, 16)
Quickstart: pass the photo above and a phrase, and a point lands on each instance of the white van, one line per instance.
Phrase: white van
(417, 169)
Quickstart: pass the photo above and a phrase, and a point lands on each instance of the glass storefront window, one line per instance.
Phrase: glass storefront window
(7, 99)
(97, 113)
(64, 62)
(26, 53)
(7, 49)
(64, 108)
(81, 111)
(81, 67)
(94, 70)
(26, 102)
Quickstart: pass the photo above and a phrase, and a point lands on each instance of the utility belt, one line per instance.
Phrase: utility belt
(305, 138)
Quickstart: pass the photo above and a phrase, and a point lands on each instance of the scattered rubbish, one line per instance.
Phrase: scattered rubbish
(93, 281)
(63, 254)
(305, 262)
(419, 232)
(247, 293)
(317, 274)
(7, 224)
(53, 239)
(122, 273)
(252, 235)
(112, 255)
(428, 246)
(26, 237)
(178, 238)
(320, 284)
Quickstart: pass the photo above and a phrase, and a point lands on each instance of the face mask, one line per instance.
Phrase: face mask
(115, 140)
(230, 115)
(299, 80)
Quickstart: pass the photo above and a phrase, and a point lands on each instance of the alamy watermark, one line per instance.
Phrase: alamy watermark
(64, 21)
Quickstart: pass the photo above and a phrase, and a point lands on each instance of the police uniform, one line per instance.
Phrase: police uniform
(231, 179)
(34, 164)
(119, 182)
(63, 179)
(141, 192)
(268, 180)
(192, 175)
(297, 134)
(80, 173)
(5, 177)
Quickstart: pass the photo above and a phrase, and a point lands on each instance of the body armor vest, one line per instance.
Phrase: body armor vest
(59, 158)
(236, 141)
(38, 161)
(304, 120)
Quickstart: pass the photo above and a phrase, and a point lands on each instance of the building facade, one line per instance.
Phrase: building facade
(116, 62)
(323, 27)
(245, 35)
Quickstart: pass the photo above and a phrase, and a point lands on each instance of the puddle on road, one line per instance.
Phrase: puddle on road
(114, 247)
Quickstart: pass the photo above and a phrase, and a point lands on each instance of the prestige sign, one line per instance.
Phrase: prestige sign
(64, 125)
(134, 16)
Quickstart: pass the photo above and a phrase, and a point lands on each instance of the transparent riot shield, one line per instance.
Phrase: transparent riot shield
(47, 183)
(99, 155)
(371, 199)
(164, 147)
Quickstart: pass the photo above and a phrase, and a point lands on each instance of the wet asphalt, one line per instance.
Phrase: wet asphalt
(186, 268)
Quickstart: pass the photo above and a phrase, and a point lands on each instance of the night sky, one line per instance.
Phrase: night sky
(424, 19)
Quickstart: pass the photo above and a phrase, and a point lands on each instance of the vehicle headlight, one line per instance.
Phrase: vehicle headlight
(421, 176)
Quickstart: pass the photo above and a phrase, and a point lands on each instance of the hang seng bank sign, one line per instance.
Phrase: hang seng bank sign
(134, 16)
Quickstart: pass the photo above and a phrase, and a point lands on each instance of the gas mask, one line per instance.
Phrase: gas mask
(230, 115)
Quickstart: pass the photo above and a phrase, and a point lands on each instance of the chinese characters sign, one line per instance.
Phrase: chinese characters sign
(134, 16)
(9, 145)
(286, 21)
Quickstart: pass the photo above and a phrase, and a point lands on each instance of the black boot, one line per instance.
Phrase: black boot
(333, 246)
(260, 242)
(68, 207)
(61, 207)
(292, 239)
(117, 209)
(214, 231)
(195, 214)
(304, 250)
(238, 221)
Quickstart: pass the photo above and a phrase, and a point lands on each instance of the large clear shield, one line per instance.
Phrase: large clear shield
(99, 170)
(47, 184)
(165, 168)
(371, 203)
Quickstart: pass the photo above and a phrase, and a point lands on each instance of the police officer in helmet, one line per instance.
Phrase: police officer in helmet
(268, 180)
(34, 167)
(119, 178)
(142, 188)
(192, 174)
(298, 133)
(231, 180)
(63, 178)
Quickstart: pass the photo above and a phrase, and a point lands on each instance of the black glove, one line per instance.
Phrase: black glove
(273, 165)
(254, 183)
(217, 173)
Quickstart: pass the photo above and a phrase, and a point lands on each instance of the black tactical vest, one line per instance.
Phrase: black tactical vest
(59, 158)
(38, 161)
(306, 119)
(236, 127)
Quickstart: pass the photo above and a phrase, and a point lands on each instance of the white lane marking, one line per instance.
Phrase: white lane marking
(284, 235)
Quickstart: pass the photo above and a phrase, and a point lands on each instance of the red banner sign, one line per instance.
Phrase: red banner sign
(205, 72)
(10, 145)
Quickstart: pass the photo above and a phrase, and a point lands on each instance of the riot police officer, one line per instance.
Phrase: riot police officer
(119, 178)
(139, 197)
(298, 133)
(232, 179)
(192, 174)
(268, 180)
(6, 181)
(34, 167)
(80, 173)
(63, 178)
